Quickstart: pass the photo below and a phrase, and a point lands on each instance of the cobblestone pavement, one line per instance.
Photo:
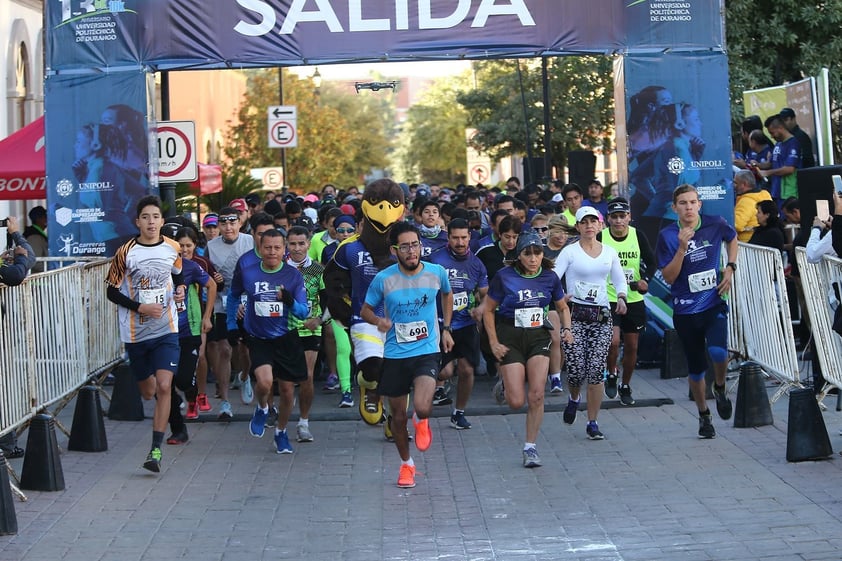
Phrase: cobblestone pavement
(650, 491)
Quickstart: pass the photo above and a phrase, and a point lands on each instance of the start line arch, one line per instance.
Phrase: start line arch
(101, 56)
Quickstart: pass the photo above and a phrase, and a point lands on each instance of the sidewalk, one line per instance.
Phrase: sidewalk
(650, 491)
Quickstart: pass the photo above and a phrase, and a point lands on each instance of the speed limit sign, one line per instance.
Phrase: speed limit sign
(176, 148)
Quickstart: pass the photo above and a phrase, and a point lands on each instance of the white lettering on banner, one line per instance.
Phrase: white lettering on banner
(324, 12)
(22, 184)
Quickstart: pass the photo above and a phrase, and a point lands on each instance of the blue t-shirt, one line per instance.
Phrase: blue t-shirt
(601, 206)
(411, 301)
(353, 257)
(193, 274)
(466, 274)
(519, 298)
(431, 245)
(694, 289)
(786, 153)
(266, 316)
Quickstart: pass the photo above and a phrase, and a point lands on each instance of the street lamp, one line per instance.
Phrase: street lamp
(317, 84)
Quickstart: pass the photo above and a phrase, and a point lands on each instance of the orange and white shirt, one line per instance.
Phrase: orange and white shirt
(144, 274)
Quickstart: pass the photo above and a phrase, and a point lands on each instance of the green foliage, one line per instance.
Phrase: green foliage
(581, 106)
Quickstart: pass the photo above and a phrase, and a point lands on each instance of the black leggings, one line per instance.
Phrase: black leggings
(184, 380)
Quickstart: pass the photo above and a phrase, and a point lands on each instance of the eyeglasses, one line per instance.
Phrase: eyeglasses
(542, 229)
(228, 219)
(407, 247)
(344, 230)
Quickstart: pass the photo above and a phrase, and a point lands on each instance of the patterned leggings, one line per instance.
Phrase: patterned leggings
(586, 356)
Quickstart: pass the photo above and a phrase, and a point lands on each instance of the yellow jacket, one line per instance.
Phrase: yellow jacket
(745, 212)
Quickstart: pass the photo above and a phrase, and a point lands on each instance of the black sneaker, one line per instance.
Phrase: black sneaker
(15, 452)
(611, 385)
(153, 460)
(271, 417)
(626, 395)
(440, 397)
(706, 429)
(593, 431)
(570, 411)
(723, 402)
(459, 422)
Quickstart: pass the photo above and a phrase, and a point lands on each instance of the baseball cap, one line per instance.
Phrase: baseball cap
(557, 198)
(348, 209)
(344, 219)
(239, 204)
(311, 198)
(559, 222)
(587, 211)
(211, 219)
(528, 239)
(787, 112)
(421, 193)
(443, 196)
(252, 199)
(618, 205)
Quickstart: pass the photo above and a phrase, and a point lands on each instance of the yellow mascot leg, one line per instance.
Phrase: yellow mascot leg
(371, 410)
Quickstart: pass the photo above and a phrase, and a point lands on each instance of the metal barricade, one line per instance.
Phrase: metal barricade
(761, 327)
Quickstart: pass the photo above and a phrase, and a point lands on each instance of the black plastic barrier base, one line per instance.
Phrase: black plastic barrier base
(42, 464)
(806, 436)
(8, 518)
(88, 431)
(752, 408)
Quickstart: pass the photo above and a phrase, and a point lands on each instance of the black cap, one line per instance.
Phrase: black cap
(618, 206)
(253, 199)
(787, 112)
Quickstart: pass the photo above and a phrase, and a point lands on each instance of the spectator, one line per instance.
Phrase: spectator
(16, 262)
(745, 210)
(596, 198)
(786, 160)
(768, 232)
(36, 235)
(808, 159)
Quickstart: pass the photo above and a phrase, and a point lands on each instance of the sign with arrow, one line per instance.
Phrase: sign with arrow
(282, 123)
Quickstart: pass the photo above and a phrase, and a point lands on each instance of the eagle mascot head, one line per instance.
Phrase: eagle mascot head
(383, 205)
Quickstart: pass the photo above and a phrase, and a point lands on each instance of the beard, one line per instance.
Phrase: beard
(407, 266)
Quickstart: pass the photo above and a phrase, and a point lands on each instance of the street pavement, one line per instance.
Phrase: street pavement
(650, 491)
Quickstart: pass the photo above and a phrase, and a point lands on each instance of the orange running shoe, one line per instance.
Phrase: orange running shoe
(423, 434)
(406, 476)
(192, 410)
(204, 404)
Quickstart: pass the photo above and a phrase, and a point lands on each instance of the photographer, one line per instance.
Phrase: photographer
(17, 261)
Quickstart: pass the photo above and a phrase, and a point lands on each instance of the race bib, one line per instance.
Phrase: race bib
(411, 332)
(589, 292)
(702, 281)
(460, 301)
(149, 296)
(629, 274)
(529, 317)
(268, 309)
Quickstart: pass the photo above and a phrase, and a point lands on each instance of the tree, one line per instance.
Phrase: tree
(774, 42)
(581, 106)
(332, 137)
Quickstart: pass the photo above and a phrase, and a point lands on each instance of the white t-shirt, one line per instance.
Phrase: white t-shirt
(587, 277)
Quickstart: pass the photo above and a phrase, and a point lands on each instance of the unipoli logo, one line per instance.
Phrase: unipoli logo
(675, 165)
(64, 187)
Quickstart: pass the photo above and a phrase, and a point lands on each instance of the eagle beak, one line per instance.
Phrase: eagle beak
(382, 215)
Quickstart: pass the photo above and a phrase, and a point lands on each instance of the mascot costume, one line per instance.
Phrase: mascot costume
(347, 277)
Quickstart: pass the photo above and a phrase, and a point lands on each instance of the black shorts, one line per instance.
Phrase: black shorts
(285, 355)
(523, 342)
(311, 343)
(635, 319)
(398, 374)
(465, 345)
(220, 329)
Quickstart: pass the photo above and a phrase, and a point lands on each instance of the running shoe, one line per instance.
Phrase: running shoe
(706, 429)
(593, 431)
(570, 411)
(626, 395)
(203, 402)
(247, 391)
(303, 433)
(423, 434)
(153, 460)
(225, 413)
(14, 452)
(499, 392)
(531, 459)
(257, 426)
(459, 422)
(406, 477)
(347, 400)
(723, 402)
(235, 381)
(610, 385)
(272, 417)
(282, 443)
(177, 438)
(332, 383)
(441, 397)
(555, 385)
(192, 411)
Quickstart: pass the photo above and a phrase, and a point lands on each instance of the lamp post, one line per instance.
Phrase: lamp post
(317, 85)
(285, 182)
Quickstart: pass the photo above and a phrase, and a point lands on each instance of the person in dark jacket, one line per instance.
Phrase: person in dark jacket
(18, 261)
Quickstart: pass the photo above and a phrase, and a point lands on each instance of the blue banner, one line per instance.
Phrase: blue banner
(675, 128)
(97, 152)
(166, 34)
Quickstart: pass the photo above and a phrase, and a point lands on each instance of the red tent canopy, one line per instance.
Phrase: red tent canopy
(210, 179)
(22, 164)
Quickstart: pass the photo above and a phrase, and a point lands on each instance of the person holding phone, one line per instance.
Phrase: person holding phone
(16, 262)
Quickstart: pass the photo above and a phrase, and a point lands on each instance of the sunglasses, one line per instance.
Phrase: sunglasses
(228, 219)
(344, 230)
(543, 229)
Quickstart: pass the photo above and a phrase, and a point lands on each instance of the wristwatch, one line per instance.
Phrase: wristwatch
(732, 265)
(447, 328)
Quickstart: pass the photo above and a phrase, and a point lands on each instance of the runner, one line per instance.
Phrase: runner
(408, 292)
(688, 254)
(145, 282)
(518, 331)
(469, 281)
(638, 262)
(274, 294)
(586, 266)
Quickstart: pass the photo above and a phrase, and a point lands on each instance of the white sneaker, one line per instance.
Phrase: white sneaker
(225, 413)
(247, 391)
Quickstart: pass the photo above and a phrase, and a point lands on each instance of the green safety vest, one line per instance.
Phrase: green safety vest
(629, 252)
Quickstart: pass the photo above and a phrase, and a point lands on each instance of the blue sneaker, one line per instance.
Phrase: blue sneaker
(347, 400)
(555, 385)
(282, 442)
(570, 411)
(258, 422)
